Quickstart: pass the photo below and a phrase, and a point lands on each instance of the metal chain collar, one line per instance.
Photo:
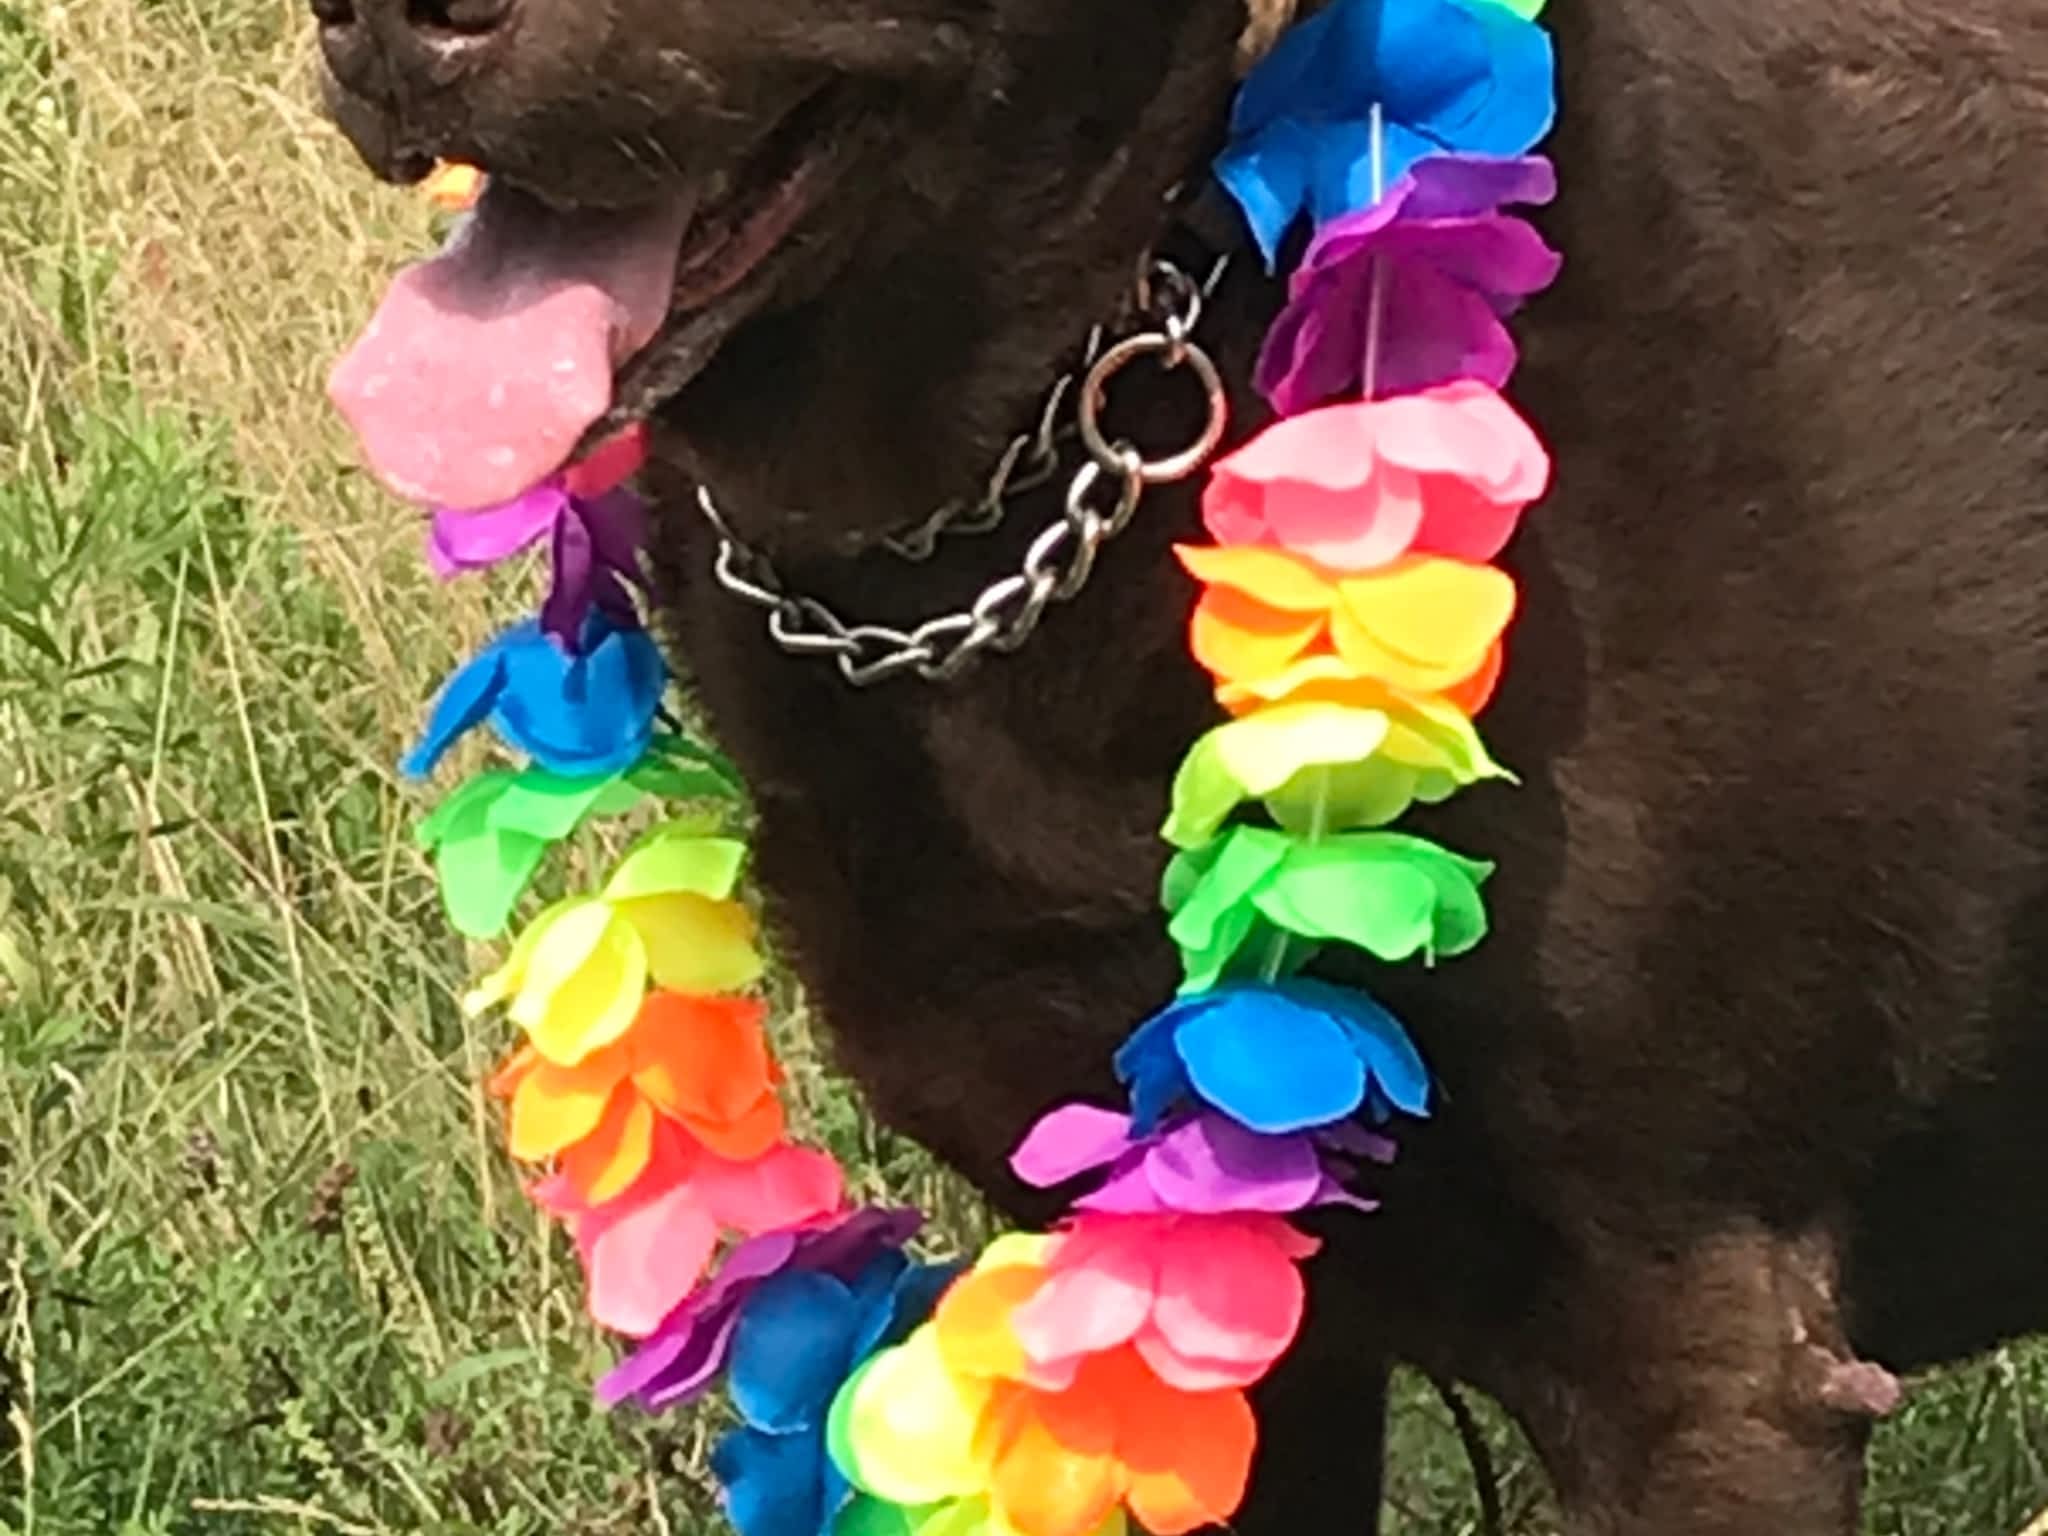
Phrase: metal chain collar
(1101, 498)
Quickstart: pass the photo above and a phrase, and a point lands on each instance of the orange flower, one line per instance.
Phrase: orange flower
(1060, 1461)
(1422, 624)
(452, 186)
(1328, 679)
(1056, 1461)
(701, 1062)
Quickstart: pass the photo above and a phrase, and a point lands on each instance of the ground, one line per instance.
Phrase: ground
(262, 1265)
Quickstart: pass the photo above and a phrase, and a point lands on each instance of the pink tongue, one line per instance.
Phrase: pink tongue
(482, 367)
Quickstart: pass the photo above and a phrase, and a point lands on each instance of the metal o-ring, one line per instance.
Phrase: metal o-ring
(1088, 409)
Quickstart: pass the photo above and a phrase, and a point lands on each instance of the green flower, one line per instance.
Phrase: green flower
(1236, 900)
(490, 833)
(1325, 767)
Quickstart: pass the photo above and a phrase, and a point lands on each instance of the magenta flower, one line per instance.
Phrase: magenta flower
(1448, 266)
(595, 542)
(1205, 1164)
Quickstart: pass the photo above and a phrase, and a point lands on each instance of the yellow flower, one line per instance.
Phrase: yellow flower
(453, 187)
(576, 977)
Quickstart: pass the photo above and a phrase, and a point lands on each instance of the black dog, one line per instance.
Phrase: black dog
(1744, 1090)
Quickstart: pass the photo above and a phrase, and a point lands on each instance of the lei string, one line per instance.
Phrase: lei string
(1070, 1382)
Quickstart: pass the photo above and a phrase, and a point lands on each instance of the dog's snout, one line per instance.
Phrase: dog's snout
(390, 51)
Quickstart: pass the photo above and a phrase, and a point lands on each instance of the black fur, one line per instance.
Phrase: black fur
(1746, 1083)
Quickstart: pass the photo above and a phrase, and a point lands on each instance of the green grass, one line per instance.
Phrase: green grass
(263, 1267)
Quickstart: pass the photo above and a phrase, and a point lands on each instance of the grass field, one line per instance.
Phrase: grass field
(262, 1266)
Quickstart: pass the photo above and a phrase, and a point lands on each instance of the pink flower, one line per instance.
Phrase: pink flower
(1352, 487)
(644, 1252)
(1208, 1301)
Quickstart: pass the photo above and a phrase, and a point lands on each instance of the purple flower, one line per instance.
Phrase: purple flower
(1441, 263)
(594, 540)
(1201, 1165)
(682, 1357)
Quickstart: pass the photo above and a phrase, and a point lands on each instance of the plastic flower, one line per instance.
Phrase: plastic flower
(1323, 767)
(867, 1516)
(577, 715)
(1423, 624)
(490, 833)
(1203, 1164)
(1411, 291)
(1327, 678)
(1207, 1302)
(576, 977)
(1354, 487)
(912, 1430)
(701, 1062)
(1471, 78)
(1391, 895)
(644, 1252)
(594, 543)
(799, 1335)
(680, 1359)
(453, 186)
(1276, 1057)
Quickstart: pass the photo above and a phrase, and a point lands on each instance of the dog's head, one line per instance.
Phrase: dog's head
(845, 240)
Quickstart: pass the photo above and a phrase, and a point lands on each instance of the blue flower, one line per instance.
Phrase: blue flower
(799, 1336)
(1275, 1057)
(1472, 78)
(576, 715)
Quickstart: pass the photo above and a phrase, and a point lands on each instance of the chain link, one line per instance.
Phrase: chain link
(1101, 498)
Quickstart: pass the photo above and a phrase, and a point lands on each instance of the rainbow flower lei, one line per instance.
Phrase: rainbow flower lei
(1070, 1381)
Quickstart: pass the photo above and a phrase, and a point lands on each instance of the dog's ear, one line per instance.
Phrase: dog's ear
(1268, 19)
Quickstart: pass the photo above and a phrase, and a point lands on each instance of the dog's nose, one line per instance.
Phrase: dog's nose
(391, 51)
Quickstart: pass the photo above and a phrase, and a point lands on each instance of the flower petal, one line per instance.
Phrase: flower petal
(467, 541)
(1068, 1142)
(568, 601)
(554, 1107)
(1229, 1304)
(773, 1483)
(677, 859)
(1258, 755)
(584, 983)
(605, 1164)
(1210, 1163)
(643, 1256)
(1275, 577)
(1269, 1063)
(1096, 1292)
(1149, 1065)
(703, 1060)
(694, 944)
(1392, 1062)
(786, 1187)
(465, 701)
(903, 1428)
(792, 1349)
(1189, 1458)
(507, 980)
(1237, 637)
(1438, 615)
(974, 1321)
(1056, 1471)
(585, 714)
